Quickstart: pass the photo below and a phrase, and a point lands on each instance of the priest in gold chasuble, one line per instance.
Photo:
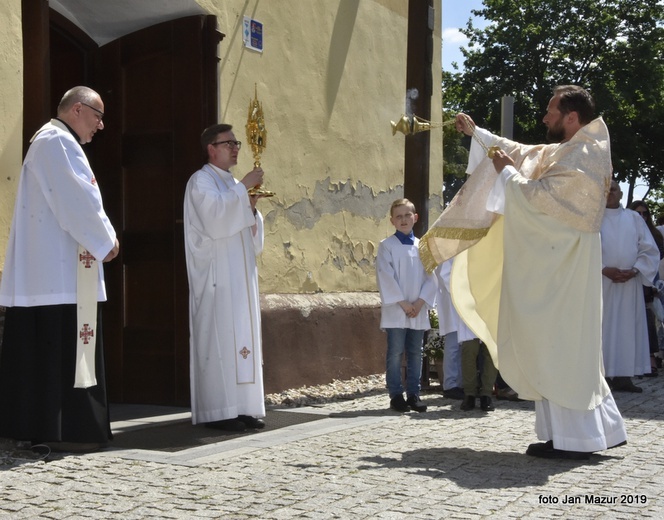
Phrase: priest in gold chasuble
(527, 270)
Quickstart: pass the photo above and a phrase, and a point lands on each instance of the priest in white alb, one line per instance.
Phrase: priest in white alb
(630, 259)
(223, 236)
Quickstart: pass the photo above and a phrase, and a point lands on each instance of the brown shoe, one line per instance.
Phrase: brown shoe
(507, 394)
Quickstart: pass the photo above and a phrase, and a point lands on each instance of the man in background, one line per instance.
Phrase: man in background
(630, 259)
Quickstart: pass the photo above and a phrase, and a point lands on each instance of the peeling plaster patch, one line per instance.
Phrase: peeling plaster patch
(365, 264)
(269, 216)
(436, 202)
(310, 286)
(330, 198)
(337, 261)
(358, 254)
(287, 251)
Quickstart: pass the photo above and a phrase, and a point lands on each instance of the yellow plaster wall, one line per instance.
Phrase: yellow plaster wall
(331, 77)
(11, 113)
(436, 155)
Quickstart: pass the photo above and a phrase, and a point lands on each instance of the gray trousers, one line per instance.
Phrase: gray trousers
(475, 359)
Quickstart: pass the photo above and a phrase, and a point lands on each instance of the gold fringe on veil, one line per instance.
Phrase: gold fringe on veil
(464, 221)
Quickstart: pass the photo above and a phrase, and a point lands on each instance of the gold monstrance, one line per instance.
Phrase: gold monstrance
(257, 137)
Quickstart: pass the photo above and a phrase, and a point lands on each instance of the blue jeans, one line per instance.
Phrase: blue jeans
(398, 342)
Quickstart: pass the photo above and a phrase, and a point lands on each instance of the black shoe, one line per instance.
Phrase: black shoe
(74, 447)
(454, 393)
(416, 404)
(545, 450)
(398, 404)
(624, 384)
(229, 425)
(653, 372)
(468, 403)
(252, 422)
(485, 403)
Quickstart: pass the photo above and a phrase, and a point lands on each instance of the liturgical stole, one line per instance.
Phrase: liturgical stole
(87, 280)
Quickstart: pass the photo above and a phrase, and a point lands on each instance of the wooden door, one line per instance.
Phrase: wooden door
(159, 86)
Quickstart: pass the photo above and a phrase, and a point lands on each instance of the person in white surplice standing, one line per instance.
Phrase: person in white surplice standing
(630, 259)
(223, 234)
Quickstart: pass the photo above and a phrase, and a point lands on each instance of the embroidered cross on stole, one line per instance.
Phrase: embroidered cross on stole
(87, 279)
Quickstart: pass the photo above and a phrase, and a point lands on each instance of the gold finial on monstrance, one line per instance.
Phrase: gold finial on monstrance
(257, 137)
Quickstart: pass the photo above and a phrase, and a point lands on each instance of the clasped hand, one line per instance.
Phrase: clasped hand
(619, 275)
(412, 309)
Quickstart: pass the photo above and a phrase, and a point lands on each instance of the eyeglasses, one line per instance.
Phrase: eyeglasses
(230, 144)
(645, 213)
(100, 115)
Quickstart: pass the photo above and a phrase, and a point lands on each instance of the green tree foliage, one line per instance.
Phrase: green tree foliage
(455, 159)
(655, 200)
(614, 48)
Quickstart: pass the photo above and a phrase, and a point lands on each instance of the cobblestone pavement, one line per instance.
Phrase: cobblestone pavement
(363, 461)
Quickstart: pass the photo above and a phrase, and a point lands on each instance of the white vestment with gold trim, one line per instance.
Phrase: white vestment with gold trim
(530, 287)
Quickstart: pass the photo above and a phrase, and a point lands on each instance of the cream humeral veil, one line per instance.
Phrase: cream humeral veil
(529, 283)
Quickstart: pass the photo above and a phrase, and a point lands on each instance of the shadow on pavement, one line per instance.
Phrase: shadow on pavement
(479, 469)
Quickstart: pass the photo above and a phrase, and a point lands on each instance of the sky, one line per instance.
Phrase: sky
(455, 15)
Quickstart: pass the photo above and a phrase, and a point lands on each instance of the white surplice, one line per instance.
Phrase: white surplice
(401, 277)
(58, 206)
(451, 326)
(626, 243)
(448, 317)
(222, 239)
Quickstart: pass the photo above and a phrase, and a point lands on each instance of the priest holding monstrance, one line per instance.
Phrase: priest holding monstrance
(223, 236)
(527, 269)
